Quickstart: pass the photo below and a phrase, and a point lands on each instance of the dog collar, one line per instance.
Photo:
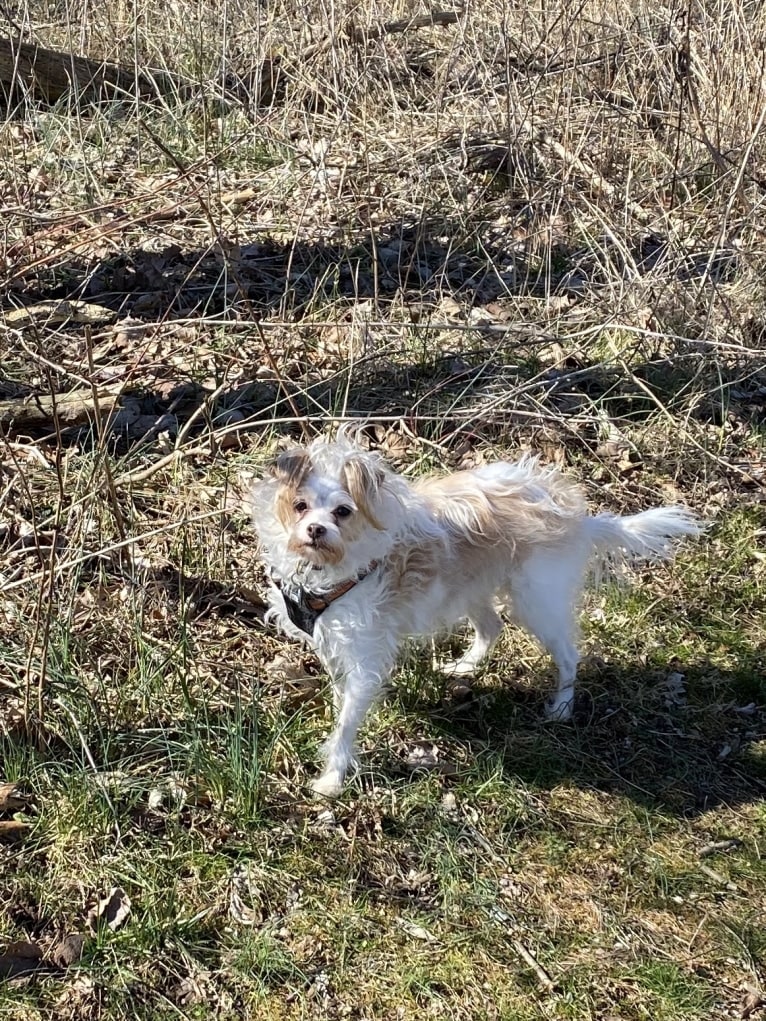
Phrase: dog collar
(304, 608)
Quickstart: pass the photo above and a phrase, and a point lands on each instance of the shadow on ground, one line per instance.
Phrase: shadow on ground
(407, 263)
(400, 274)
(631, 734)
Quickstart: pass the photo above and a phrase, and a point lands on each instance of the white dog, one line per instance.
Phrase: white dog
(361, 559)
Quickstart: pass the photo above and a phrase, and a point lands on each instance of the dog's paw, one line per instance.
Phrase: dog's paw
(560, 709)
(329, 784)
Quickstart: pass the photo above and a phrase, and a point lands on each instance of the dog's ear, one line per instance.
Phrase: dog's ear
(364, 479)
(291, 467)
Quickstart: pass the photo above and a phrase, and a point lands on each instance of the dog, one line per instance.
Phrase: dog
(361, 559)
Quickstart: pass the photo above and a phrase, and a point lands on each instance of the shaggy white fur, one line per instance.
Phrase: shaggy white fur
(426, 555)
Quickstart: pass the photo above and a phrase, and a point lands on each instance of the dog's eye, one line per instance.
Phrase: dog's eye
(300, 506)
(342, 511)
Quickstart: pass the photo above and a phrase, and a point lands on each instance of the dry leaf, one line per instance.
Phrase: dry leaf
(13, 829)
(297, 684)
(614, 445)
(396, 447)
(459, 691)
(426, 755)
(11, 798)
(113, 911)
(423, 755)
(449, 805)
(284, 668)
(753, 1001)
(77, 996)
(244, 898)
(19, 959)
(68, 950)
(719, 846)
(193, 990)
(25, 949)
(416, 931)
(325, 820)
(675, 689)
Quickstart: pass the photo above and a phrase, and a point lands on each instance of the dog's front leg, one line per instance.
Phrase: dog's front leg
(356, 685)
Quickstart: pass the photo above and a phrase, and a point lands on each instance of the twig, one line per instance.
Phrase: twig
(142, 474)
(544, 979)
(362, 35)
(467, 419)
(718, 846)
(207, 403)
(71, 409)
(440, 18)
(38, 357)
(590, 175)
(685, 76)
(275, 369)
(55, 73)
(232, 268)
(103, 230)
(111, 548)
(105, 463)
(49, 600)
(743, 473)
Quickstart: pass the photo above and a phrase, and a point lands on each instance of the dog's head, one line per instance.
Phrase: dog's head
(326, 503)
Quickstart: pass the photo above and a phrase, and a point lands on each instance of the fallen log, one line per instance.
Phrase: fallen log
(50, 74)
(75, 408)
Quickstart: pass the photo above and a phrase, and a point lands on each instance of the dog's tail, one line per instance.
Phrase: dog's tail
(650, 535)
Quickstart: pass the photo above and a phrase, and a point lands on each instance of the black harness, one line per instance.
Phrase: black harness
(304, 608)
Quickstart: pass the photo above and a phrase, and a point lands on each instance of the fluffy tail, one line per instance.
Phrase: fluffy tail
(651, 535)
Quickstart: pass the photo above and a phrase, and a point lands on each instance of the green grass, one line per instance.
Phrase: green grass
(573, 831)
(671, 992)
(172, 761)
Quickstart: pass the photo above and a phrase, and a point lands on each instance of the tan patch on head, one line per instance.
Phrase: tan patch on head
(362, 482)
(290, 470)
(292, 467)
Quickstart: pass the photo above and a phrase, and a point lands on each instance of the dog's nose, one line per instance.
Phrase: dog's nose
(315, 531)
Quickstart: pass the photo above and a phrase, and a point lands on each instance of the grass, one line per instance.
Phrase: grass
(535, 229)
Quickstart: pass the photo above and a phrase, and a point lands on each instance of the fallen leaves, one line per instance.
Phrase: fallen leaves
(415, 931)
(13, 799)
(675, 689)
(426, 755)
(245, 905)
(50, 313)
(68, 950)
(754, 1000)
(295, 683)
(25, 957)
(111, 911)
(13, 830)
(20, 959)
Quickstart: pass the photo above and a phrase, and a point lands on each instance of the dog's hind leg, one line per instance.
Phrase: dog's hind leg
(487, 625)
(545, 590)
